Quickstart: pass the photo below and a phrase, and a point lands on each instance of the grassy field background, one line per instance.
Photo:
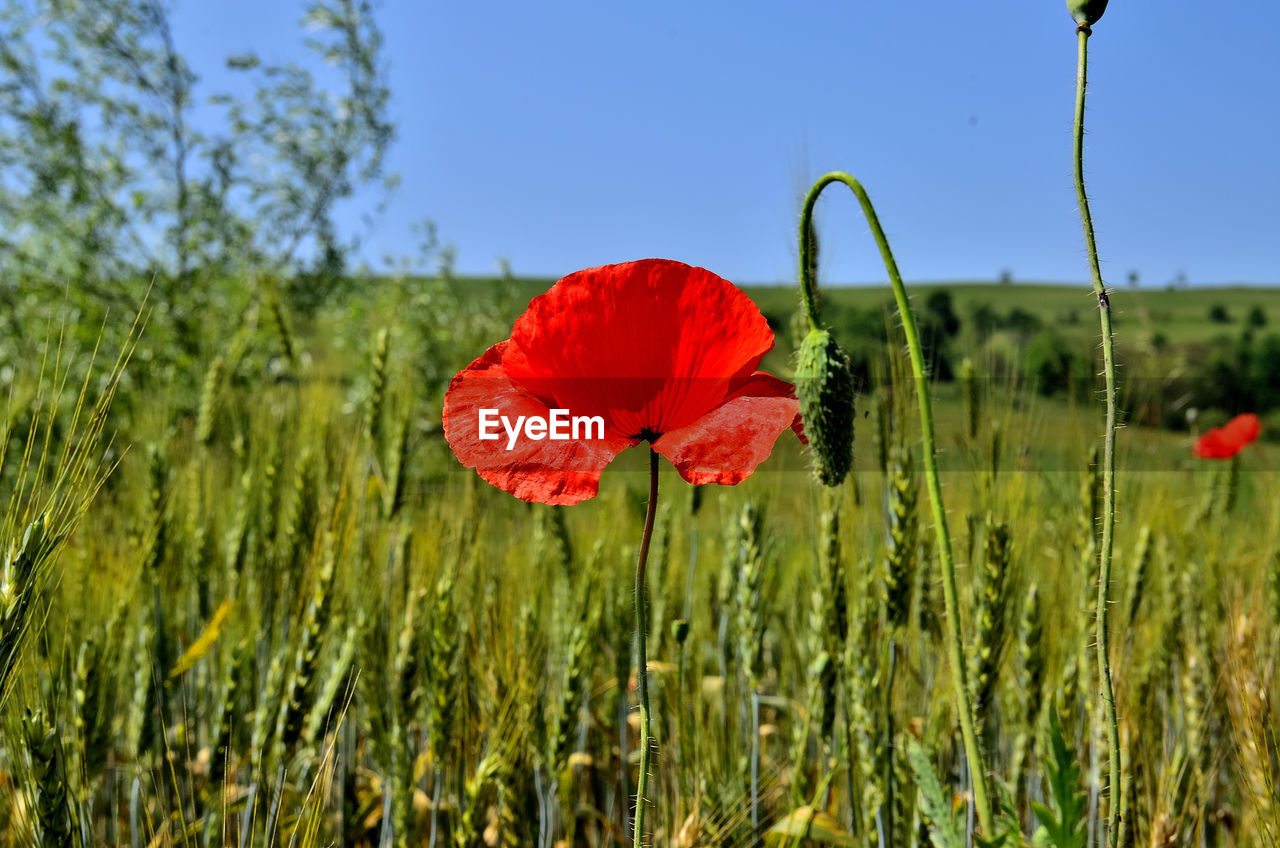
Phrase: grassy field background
(289, 617)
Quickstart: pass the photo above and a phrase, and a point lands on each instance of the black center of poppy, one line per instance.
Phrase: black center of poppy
(648, 434)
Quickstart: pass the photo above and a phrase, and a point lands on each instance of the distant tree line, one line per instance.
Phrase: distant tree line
(1162, 381)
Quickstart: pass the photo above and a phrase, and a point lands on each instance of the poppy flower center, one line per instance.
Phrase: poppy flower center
(648, 434)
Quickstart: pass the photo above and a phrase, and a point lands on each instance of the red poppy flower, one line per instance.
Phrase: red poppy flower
(1228, 440)
(654, 351)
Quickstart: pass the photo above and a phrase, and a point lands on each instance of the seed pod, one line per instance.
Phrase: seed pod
(680, 630)
(824, 386)
(1086, 12)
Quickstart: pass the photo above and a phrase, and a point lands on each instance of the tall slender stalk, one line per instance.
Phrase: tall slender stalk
(959, 682)
(889, 665)
(1102, 635)
(642, 662)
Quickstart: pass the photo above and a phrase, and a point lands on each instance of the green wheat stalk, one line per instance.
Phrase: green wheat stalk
(377, 390)
(1030, 673)
(280, 324)
(213, 381)
(900, 539)
(989, 631)
(48, 786)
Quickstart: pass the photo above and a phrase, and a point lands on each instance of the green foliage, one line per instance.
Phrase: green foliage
(945, 828)
(808, 826)
(1065, 827)
(863, 333)
(939, 326)
(109, 185)
(1236, 375)
(940, 314)
(459, 664)
(986, 320)
(1055, 366)
(1021, 321)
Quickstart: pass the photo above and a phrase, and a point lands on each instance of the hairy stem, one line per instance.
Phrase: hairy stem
(1116, 791)
(642, 662)
(808, 287)
(955, 650)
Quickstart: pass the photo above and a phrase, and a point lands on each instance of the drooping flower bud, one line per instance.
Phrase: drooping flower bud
(1086, 12)
(824, 386)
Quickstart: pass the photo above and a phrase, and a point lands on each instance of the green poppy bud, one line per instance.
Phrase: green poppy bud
(1086, 12)
(824, 386)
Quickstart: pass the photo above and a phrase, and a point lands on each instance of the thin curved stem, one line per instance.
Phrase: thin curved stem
(808, 286)
(959, 681)
(1102, 635)
(642, 662)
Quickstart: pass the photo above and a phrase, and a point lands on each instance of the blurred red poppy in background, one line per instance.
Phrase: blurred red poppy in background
(660, 351)
(1228, 440)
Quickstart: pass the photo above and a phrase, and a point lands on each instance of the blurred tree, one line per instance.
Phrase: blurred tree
(941, 314)
(984, 319)
(1264, 374)
(1257, 318)
(1055, 366)
(939, 325)
(1218, 314)
(1021, 321)
(107, 187)
(863, 333)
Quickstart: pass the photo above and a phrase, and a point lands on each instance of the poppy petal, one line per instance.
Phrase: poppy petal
(1228, 440)
(1242, 429)
(1212, 446)
(542, 470)
(725, 445)
(651, 345)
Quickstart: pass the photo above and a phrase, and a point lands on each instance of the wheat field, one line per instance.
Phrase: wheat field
(273, 609)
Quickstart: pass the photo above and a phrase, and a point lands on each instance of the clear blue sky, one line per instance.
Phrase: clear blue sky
(561, 135)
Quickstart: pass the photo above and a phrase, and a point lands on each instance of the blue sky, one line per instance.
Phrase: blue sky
(561, 135)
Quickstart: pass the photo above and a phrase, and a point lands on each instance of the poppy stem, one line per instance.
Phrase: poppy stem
(1116, 790)
(642, 662)
(808, 265)
(959, 680)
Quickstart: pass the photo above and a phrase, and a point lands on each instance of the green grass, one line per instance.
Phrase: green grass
(464, 666)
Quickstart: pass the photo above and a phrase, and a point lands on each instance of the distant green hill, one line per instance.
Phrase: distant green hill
(1182, 315)
(1212, 350)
